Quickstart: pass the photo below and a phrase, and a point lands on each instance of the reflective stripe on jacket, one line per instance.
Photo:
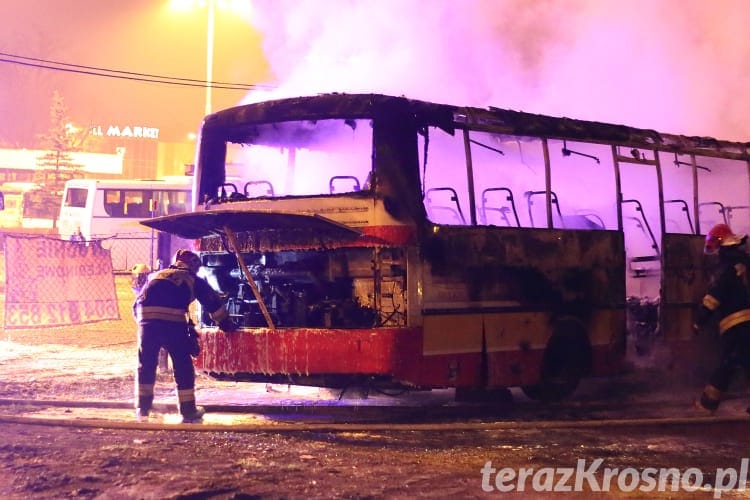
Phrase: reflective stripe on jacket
(734, 319)
(729, 296)
(169, 293)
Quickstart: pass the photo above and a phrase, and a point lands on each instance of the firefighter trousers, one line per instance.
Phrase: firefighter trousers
(735, 353)
(172, 336)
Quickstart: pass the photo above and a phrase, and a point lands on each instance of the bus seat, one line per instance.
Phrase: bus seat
(734, 219)
(583, 221)
(498, 206)
(252, 184)
(553, 201)
(580, 219)
(643, 254)
(136, 210)
(440, 200)
(234, 195)
(711, 213)
(674, 224)
(335, 180)
(644, 265)
(114, 209)
(176, 208)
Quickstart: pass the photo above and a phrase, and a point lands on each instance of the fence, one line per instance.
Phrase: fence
(53, 282)
(129, 249)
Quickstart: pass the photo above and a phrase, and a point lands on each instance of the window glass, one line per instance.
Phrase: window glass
(76, 197)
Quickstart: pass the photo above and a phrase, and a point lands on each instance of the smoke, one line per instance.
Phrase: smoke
(679, 66)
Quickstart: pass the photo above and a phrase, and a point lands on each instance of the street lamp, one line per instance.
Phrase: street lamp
(209, 53)
(183, 5)
(238, 8)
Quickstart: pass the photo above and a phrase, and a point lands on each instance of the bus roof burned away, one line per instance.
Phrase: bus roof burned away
(448, 118)
(295, 134)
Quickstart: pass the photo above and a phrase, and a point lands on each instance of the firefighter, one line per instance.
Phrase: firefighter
(728, 301)
(139, 277)
(161, 312)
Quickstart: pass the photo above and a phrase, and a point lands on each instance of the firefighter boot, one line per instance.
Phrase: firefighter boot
(145, 402)
(709, 400)
(191, 413)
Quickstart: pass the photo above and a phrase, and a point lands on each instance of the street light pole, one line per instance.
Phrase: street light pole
(209, 53)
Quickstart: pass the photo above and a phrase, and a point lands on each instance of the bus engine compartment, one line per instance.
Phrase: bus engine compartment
(340, 288)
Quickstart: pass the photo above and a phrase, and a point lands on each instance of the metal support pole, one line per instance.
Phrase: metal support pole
(209, 53)
(241, 260)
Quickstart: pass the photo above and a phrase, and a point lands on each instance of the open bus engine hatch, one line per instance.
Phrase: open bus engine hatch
(212, 222)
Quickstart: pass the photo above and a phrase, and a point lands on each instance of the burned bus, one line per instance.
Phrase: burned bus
(398, 243)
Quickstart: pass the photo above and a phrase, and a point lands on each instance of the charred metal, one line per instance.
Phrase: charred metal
(324, 289)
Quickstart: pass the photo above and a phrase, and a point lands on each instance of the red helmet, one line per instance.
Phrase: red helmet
(187, 259)
(721, 236)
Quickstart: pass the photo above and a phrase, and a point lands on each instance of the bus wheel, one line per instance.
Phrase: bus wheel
(567, 359)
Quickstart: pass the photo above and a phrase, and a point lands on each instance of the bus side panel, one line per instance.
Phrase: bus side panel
(454, 357)
(305, 352)
(511, 360)
(454, 352)
(684, 282)
(515, 356)
(501, 291)
(607, 331)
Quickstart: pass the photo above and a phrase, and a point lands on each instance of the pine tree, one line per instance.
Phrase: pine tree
(56, 166)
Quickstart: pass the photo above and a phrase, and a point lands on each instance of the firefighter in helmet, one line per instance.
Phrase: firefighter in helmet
(139, 277)
(728, 301)
(161, 312)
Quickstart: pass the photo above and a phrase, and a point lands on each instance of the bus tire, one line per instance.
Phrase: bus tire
(567, 358)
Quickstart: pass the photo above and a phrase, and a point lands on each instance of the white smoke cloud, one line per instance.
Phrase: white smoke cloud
(680, 66)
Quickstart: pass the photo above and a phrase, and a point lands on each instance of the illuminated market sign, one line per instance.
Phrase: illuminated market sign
(134, 132)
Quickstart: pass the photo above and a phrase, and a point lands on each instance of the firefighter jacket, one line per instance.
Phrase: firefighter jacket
(169, 293)
(728, 296)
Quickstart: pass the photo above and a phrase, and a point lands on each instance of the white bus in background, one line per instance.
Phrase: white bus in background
(21, 212)
(13, 193)
(109, 211)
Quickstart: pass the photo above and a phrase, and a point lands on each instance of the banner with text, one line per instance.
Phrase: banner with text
(50, 282)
